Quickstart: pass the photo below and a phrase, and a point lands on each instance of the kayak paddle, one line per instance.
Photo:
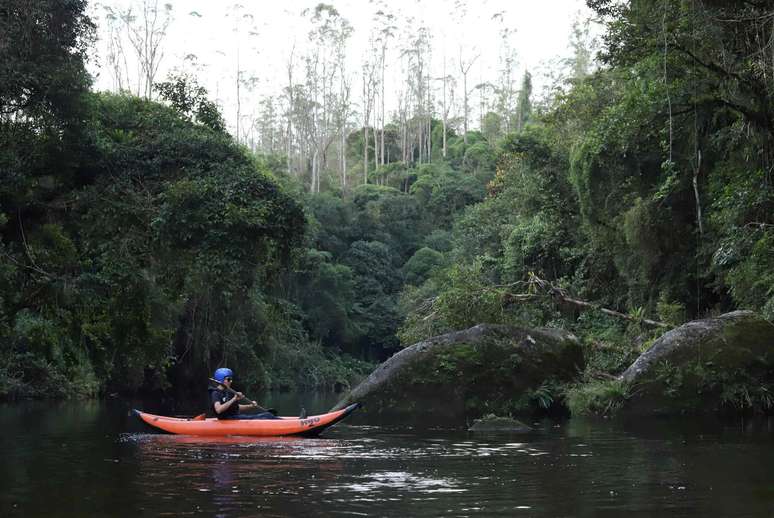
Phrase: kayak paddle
(232, 391)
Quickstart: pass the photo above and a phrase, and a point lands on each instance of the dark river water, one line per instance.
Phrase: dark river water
(92, 459)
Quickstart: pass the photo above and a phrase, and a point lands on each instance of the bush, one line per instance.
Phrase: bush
(600, 397)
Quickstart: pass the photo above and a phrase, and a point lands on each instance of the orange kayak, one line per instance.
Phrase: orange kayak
(310, 426)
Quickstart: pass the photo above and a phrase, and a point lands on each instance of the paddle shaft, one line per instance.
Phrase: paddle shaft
(232, 391)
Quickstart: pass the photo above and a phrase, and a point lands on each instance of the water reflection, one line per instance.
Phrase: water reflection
(234, 475)
(571, 468)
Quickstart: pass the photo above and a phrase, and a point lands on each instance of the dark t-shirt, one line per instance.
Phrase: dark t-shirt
(222, 397)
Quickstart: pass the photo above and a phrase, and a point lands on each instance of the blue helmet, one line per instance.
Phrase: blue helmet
(222, 374)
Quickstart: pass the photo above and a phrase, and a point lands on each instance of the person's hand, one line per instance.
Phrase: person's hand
(254, 404)
(239, 395)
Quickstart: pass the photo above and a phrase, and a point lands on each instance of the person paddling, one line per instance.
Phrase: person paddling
(225, 400)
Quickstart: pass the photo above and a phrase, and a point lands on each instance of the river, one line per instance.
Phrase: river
(91, 458)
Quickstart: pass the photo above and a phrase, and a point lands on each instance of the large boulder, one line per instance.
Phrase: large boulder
(452, 378)
(710, 365)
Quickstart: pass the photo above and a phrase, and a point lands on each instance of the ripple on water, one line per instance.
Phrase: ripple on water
(400, 480)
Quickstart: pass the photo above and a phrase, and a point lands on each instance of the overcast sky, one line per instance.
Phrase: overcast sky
(205, 29)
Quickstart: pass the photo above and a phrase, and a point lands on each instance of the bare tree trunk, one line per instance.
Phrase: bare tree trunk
(146, 40)
(464, 69)
(343, 160)
(429, 121)
(445, 111)
(365, 132)
(376, 149)
(365, 154)
(384, 49)
(238, 95)
(289, 142)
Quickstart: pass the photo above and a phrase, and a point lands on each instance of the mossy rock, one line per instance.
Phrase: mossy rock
(705, 366)
(453, 378)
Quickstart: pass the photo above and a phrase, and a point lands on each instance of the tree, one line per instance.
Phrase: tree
(465, 65)
(146, 32)
(583, 46)
(524, 102)
(43, 80)
(190, 100)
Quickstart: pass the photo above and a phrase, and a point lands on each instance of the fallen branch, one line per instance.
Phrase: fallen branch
(536, 283)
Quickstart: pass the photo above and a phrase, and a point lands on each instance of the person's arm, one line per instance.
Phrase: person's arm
(222, 407)
(252, 405)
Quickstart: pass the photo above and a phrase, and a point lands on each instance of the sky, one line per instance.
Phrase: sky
(269, 30)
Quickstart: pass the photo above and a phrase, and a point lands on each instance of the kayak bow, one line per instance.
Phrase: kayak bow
(310, 426)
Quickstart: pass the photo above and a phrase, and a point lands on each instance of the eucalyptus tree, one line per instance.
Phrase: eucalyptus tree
(146, 27)
(342, 107)
(583, 45)
(290, 101)
(465, 62)
(448, 84)
(266, 125)
(323, 114)
(384, 31)
(118, 65)
(417, 54)
(370, 84)
(467, 57)
(508, 60)
(242, 24)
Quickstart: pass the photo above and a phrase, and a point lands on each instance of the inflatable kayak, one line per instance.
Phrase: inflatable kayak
(310, 426)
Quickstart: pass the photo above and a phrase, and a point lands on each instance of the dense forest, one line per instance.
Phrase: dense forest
(142, 244)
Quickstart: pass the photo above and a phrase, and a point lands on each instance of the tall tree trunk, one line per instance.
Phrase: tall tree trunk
(289, 141)
(365, 154)
(376, 149)
(365, 132)
(429, 121)
(465, 108)
(238, 96)
(383, 114)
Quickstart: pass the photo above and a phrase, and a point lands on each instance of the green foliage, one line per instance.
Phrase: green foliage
(609, 345)
(546, 396)
(704, 384)
(377, 282)
(327, 297)
(293, 361)
(419, 267)
(163, 230)
(142, 246)
(190, 100)
(439, 240)
(443, 192)
(751, 277)
(455, 298)
(44, 77)
(670, 312)
(601, 397)
(479, 160)
(492, 127)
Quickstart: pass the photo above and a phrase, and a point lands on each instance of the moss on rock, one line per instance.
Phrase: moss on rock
(463, 375)
(711, 365)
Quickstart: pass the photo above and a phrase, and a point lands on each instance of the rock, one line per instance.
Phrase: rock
(496, 424)
(452, 378)
(705, 366)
